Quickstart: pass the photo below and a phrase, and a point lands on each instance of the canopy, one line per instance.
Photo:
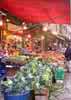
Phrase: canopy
(39, 11)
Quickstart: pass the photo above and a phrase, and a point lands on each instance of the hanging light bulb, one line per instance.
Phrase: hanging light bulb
(1, 22)
(42, 37)
(29, 36)
(44, 28)
(7, 20)
(23, 23)
(25, 27)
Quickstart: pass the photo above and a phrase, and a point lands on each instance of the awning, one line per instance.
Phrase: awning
(39, 11)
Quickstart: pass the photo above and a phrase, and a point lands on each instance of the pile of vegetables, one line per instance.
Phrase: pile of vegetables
(55, 56)
(35, 75)
(17, 59)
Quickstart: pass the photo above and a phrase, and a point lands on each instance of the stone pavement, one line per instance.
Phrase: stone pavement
(66, 95)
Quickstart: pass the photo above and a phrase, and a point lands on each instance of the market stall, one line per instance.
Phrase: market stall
(33, 55)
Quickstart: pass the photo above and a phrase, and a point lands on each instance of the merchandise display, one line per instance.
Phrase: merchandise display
(17, 60)
(32, 55)
(54, 56)
(35, 75)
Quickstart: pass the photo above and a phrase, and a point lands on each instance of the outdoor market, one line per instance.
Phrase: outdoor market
(35, 50)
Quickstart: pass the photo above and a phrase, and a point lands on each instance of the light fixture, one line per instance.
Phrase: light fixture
(29, 36)
(7, 20)
(23, 23)
(44, 28)
(42, 37)
(25, 27)
(1, 22)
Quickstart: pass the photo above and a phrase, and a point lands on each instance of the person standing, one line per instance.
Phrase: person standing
(68, 58)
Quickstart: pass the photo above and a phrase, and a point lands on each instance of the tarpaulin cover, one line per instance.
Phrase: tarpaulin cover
(39, 11)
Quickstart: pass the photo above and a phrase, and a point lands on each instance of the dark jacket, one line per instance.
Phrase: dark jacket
(68, 54)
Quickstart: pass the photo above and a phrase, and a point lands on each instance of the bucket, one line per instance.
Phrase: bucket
(22, 96)
(59, 73)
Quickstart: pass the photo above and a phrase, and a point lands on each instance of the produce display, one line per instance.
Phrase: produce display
(55, 90)
(35, 75)
(50, 56)
(55, 59)
(55, 56)
(17, 59)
